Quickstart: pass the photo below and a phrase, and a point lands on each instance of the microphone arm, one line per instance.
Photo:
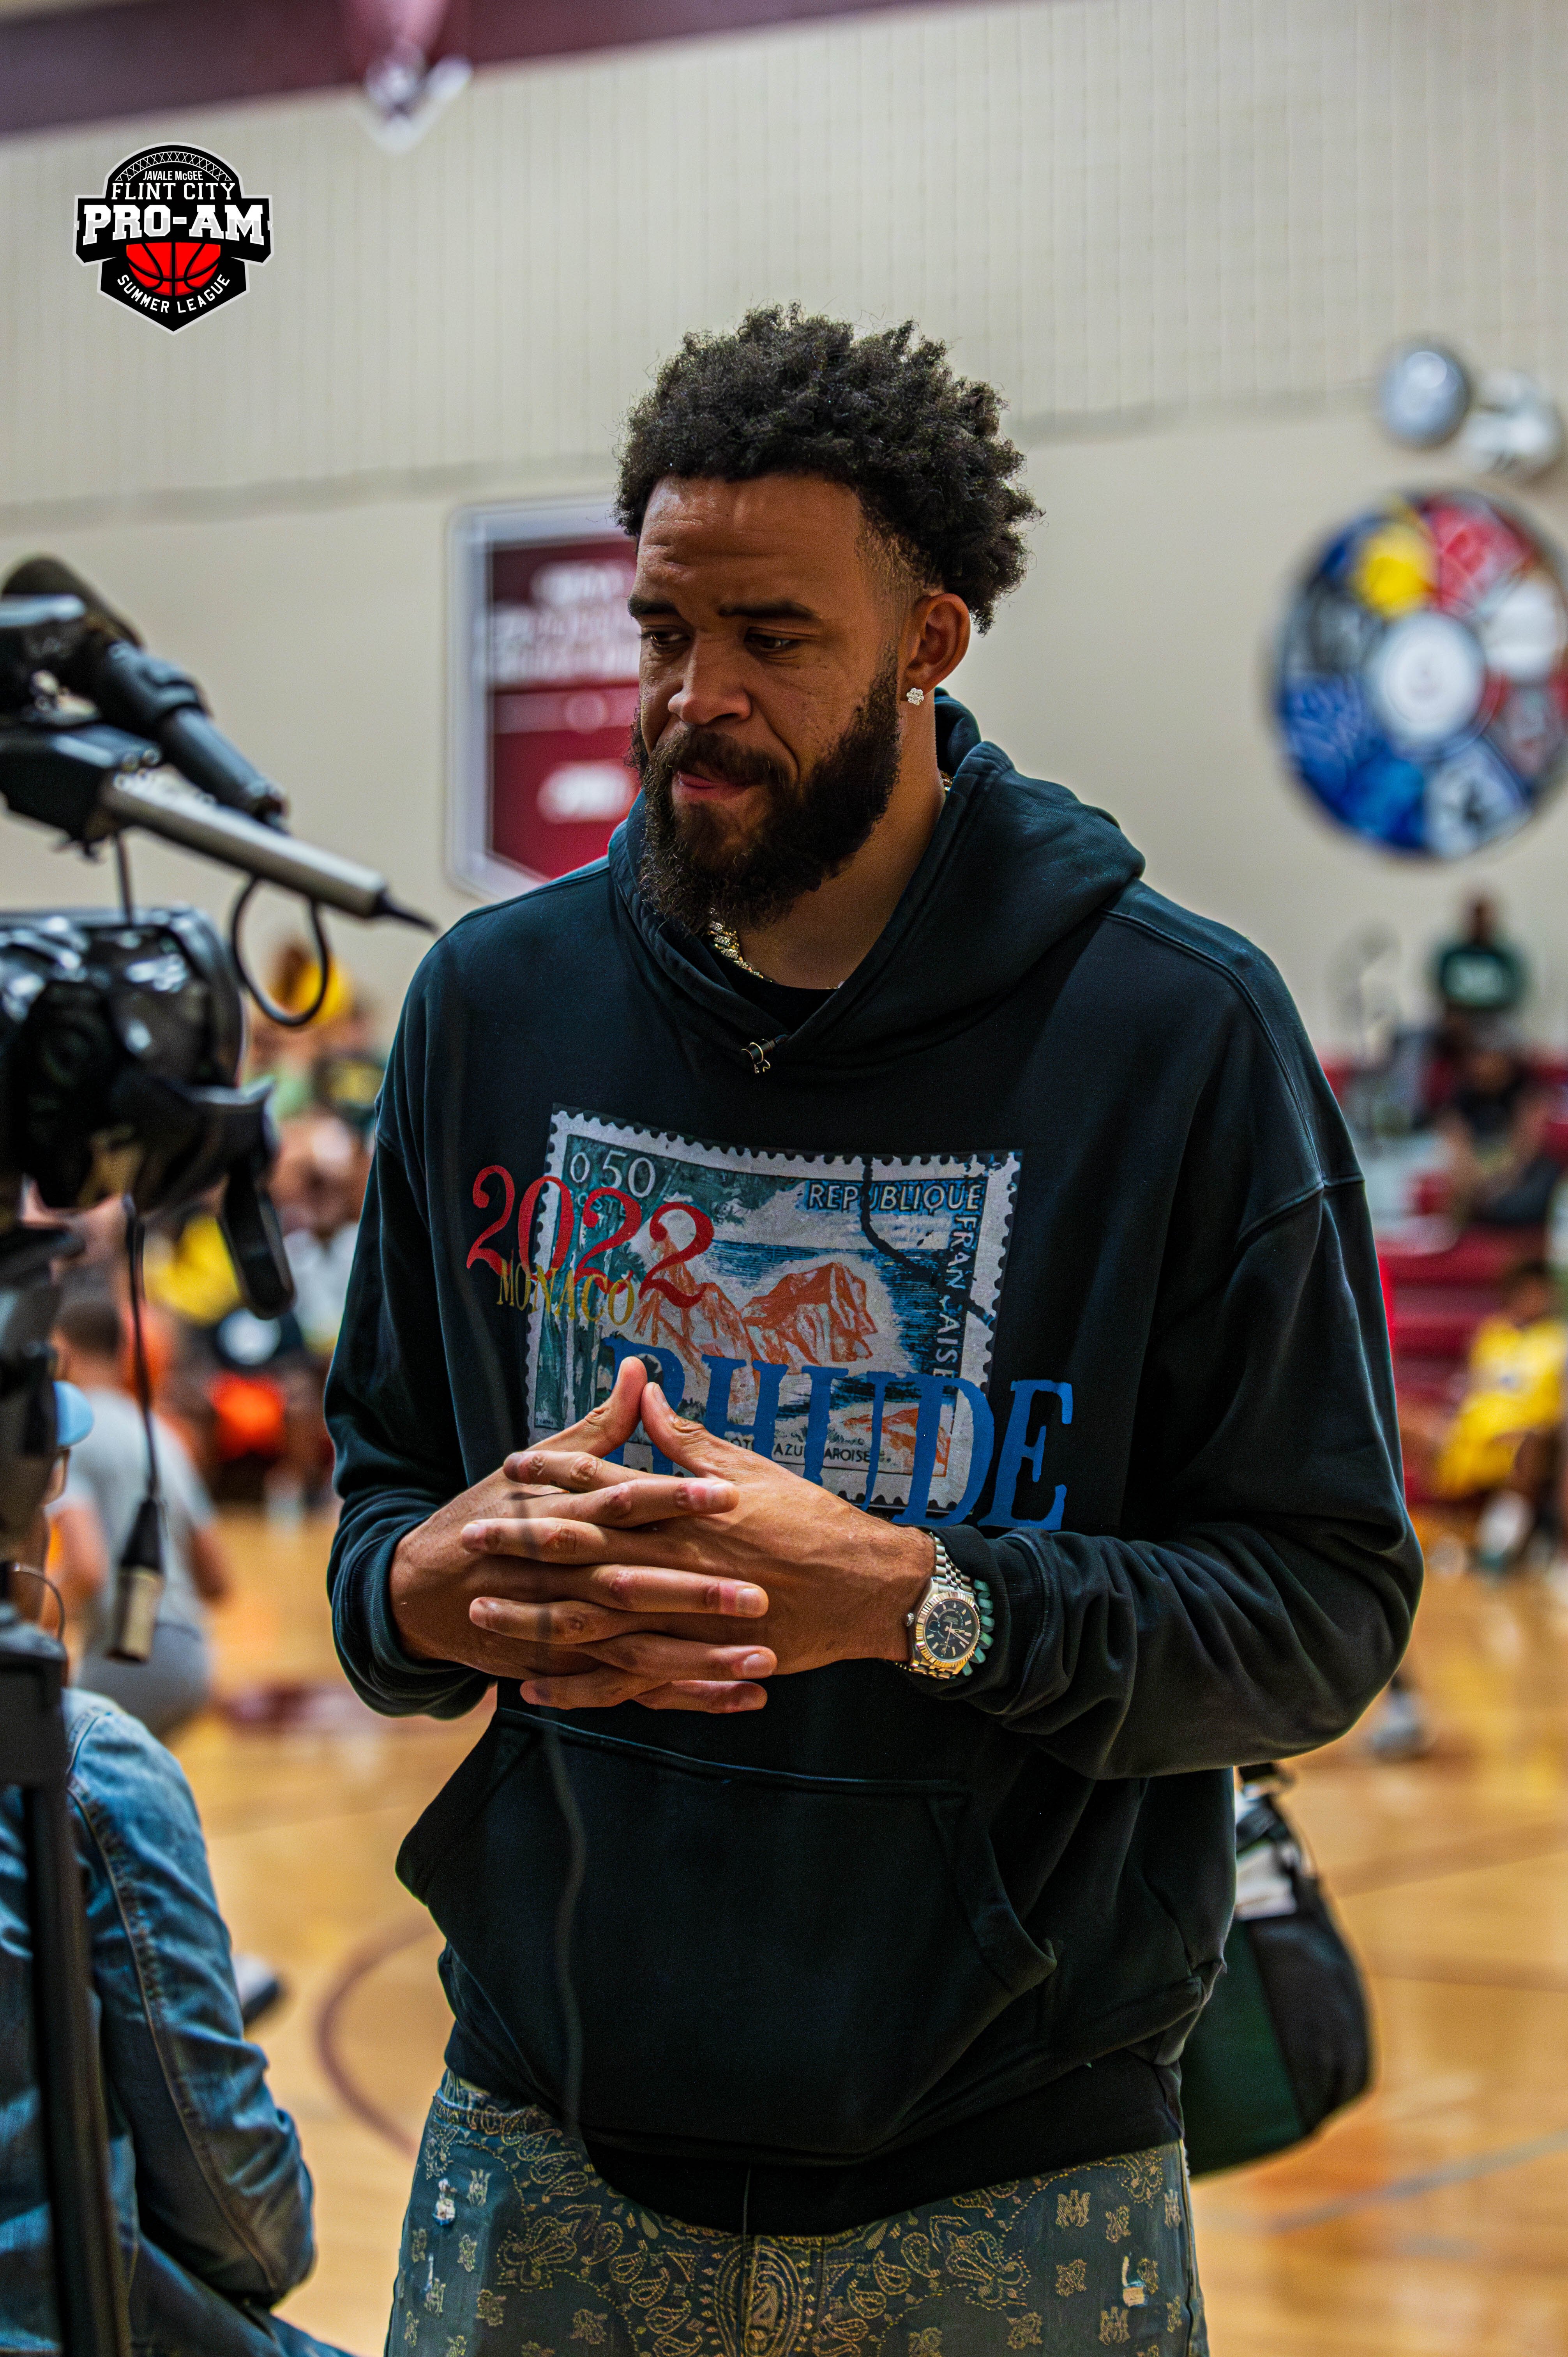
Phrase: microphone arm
(155, 698)
(91, 779)
(162, 808)
(105, 661)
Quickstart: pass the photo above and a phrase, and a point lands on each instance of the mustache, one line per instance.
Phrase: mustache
(806, 830)
(708, 751)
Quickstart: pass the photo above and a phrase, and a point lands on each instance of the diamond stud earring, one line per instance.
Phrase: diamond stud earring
(914, 695)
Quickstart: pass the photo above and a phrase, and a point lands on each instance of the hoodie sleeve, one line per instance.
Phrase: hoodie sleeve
(1261, 1590)
(389, 1408)
(1277, 1600)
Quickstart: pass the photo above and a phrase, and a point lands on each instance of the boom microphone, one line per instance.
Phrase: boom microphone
(134, 690)
(163, 807)
(91, 779)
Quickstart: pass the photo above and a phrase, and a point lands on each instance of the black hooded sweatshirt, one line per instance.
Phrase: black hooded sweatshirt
(1043, 1230)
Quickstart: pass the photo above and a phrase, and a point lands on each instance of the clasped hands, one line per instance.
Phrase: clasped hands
(595, 1585)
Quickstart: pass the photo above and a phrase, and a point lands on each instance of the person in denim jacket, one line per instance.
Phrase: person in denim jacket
(213, 2196)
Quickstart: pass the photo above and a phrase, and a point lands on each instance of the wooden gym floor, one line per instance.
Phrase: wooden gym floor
(1430, 2221)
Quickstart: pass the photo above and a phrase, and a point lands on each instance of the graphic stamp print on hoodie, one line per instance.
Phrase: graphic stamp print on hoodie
(834, 1312)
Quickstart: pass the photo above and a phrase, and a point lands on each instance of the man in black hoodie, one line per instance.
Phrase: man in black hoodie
(1023, 1439)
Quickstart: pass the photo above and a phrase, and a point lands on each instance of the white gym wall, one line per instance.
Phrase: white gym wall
(1178, 234)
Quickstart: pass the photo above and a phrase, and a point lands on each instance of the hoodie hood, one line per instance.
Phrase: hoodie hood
(1015, 864)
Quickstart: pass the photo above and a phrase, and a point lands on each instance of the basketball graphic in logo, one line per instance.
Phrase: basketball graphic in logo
(1421, 686)
(173, 266)
(172, 234)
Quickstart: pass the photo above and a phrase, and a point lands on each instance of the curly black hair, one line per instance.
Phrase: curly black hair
(882, 414)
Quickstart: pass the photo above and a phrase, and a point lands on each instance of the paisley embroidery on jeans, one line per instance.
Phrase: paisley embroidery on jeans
(595, 2270)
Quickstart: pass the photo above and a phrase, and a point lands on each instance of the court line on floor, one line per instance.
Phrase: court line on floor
(1398, 2189)
(1505, 1846)
(1452, 1975)
(218, 1828)
(357, 1967)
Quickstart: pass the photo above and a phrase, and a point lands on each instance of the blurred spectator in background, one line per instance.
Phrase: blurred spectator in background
(318, 1186)
(1500, 1438)
(1400, 1727)
(1406, 1076)
(292, 1058)
(101, 1234)
(1480, 974)
(348, 1082)
(216, 1387)
(248, 1389)
(1494, 1127)
(244, 1387)
(1479, 983)
(93, 1518)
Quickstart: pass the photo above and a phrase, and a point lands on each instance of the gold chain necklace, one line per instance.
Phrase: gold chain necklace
(724, 941)
(722, 936)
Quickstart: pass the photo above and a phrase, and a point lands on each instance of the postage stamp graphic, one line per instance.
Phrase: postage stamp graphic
(835, 1312)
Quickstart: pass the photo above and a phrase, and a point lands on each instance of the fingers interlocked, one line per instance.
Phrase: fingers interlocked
(652, 1620)
(575, 1600)
(610, 1601)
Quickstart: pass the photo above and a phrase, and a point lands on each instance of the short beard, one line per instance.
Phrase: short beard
(808, 832)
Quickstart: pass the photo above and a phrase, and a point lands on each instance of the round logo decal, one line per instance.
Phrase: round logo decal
(172, 234)
(1423, 678)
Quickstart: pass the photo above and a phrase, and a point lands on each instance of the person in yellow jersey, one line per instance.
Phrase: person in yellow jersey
(1500, 1440)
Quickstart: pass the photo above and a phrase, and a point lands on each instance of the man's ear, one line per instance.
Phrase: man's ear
(937, 634)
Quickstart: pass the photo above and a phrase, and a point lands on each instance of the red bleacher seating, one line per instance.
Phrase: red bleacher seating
(1437, 1299)
(1440, 1298)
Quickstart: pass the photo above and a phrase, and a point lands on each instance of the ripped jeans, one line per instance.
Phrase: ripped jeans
(514, 2246)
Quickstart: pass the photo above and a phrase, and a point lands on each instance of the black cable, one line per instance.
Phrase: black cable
(60, 1600)
(139, 1580)
(323, 957)
(566, 1907)
(134, 1233)
(30, 1571)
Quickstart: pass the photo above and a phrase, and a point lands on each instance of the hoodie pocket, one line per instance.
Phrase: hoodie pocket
(781, 1963)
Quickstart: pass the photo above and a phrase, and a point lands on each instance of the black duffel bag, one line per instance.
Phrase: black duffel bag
(1285, 2040)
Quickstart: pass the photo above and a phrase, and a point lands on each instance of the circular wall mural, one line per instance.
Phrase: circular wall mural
(1422, 680)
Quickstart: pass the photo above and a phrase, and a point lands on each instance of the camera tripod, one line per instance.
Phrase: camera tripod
(89, 2280)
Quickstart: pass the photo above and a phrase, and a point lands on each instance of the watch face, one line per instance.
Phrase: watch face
(949, 1628)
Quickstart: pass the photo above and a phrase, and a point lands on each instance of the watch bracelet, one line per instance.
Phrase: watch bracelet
(980, 1590)
(949, 1574)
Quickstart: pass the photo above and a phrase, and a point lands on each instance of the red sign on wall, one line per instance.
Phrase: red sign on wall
(545, 659)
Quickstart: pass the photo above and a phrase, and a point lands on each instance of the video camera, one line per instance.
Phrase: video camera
(121, 1031)
(121, 1035)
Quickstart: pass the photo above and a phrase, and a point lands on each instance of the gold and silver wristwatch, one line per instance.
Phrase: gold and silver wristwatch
(949, 1628)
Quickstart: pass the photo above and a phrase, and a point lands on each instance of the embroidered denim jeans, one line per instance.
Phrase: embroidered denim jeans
(513, 2246)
